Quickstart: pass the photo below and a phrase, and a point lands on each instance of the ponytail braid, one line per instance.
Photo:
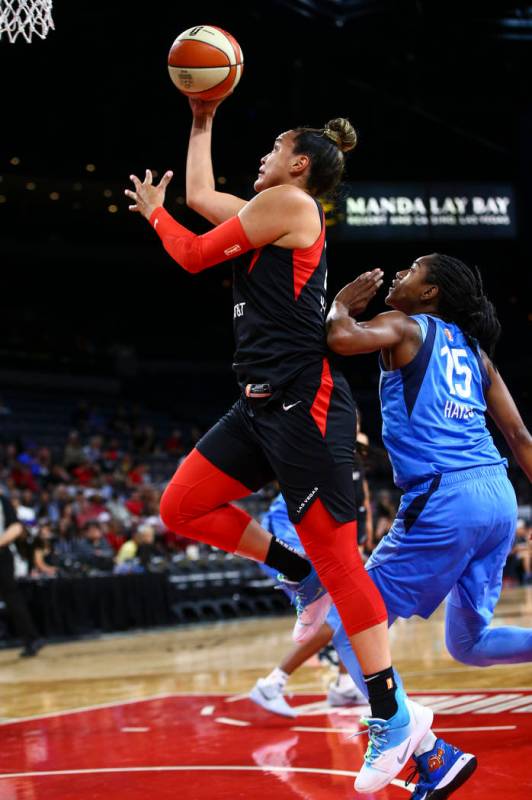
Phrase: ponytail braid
(462, 300)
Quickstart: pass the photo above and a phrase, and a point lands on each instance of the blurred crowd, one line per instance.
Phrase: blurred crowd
(90, 504)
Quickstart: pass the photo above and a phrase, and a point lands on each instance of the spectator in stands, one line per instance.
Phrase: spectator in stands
(47, 507)
(85, 472)
(73, 454)
(119, 511)
(134, 504)
(12, 530)
(93, 550)
(44, 459)
(43, 553)
(93, 451)
(138, 550)
(174, 444)
(115, 533)
(23, 477)
(150, 501)
(65, 546)
(58, 474)
(138, 475)
(28, 457)
(112, 455)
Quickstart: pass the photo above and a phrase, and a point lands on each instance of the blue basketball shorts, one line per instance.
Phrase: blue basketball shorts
(451, 536)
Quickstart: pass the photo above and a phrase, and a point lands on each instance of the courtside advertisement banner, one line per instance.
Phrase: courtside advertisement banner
(397, 211)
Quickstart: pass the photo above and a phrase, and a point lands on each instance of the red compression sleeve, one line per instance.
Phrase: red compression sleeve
(196, 253)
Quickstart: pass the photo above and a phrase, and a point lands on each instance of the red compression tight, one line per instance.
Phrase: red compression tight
(331, 546)
(196, 504)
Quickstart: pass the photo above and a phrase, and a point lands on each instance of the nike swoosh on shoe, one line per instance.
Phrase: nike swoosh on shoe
(405, 753)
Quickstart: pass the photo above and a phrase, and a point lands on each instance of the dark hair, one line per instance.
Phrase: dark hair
(462, 300)
(325, 147)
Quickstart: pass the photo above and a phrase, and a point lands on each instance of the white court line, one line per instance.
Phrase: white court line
(306, 729)
(134, 730)
(229, 695)
(524, 710)
(202, 768)
(486, 728)
(235, 697)
(229, 721)
(66, 712)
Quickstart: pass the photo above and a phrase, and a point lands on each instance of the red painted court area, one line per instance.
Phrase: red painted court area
(225, 747)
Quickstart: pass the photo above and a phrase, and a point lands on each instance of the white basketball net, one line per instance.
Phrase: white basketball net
(25, 18)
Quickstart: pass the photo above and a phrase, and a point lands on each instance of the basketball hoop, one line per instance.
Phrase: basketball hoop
(25, 18)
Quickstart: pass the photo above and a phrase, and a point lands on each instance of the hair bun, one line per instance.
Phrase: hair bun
(341, 132)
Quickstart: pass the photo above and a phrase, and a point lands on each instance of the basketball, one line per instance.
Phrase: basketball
(205, 62)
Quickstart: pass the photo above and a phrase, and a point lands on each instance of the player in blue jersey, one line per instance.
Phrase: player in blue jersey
(457, 517)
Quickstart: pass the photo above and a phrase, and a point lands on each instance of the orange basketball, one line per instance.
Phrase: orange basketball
(205, 62)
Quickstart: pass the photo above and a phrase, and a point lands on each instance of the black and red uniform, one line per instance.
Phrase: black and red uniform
(295, 419)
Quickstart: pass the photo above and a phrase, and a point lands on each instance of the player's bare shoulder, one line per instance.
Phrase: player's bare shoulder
(289, 196)
(401, 323)
(295, 211)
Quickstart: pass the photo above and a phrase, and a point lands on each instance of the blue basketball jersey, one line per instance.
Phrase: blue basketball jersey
(433, 409)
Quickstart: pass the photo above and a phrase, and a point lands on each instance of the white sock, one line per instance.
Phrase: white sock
(426, 744)
(344, 681)
(278, 677)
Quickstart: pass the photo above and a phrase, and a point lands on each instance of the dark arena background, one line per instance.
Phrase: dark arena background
(114, 361)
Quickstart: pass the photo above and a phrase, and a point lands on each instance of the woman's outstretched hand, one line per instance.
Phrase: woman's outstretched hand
(357, 294)
(147, 197)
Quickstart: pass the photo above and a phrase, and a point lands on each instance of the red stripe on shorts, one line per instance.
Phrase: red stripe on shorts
(322, 400)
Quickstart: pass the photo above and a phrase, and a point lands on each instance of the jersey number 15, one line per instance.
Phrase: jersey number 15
(455, 367)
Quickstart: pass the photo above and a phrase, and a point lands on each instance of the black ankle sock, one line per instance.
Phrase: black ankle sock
(281, 557)
(381, 691)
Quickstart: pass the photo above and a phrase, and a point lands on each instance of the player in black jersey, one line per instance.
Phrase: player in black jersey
(295, 419)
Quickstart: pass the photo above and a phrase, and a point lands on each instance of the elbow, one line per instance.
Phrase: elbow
(339, 343)
(198, 202)
(523, 435)
(193, 202)
(519, 437)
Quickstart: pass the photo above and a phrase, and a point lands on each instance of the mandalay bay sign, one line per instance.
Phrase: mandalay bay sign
(423, 211)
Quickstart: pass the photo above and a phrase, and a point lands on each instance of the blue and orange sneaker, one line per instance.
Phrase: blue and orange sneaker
(441, 771)
(312, 603)
(391, 743)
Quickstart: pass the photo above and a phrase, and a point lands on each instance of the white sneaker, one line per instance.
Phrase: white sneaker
(312, 602)
(345, 696)
(270, 697)
(391, 743)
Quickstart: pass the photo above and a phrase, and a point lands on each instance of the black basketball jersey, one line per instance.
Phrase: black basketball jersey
(279, 312)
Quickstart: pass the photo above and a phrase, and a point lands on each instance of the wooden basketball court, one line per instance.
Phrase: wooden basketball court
(165, 714)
